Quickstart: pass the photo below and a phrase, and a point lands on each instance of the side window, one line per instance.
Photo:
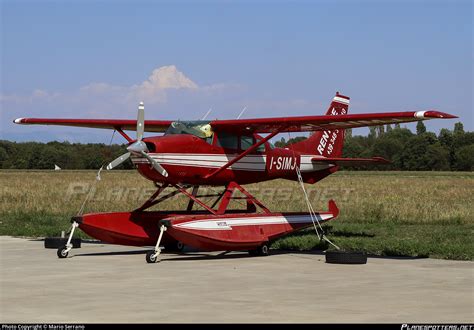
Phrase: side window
(260, 148)
(246, 142)
(227, 140)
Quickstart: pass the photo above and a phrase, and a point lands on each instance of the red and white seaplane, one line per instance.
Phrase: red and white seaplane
(225, 153)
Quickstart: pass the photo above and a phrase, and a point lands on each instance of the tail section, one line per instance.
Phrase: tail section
(326, 143)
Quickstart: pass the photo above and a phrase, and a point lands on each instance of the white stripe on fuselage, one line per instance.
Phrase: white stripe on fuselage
(228, 223)
(247, 163)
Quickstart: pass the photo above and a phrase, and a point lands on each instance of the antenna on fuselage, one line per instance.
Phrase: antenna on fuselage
(241, 112)
(207, 114)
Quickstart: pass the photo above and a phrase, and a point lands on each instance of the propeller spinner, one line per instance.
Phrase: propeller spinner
(138, 147)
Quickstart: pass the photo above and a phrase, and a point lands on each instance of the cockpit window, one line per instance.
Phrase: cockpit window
(201, 129)
(227, 140)
(246, 142)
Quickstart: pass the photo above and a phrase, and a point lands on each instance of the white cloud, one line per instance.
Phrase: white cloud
(152, 90)
(168, 93)
(167, 77)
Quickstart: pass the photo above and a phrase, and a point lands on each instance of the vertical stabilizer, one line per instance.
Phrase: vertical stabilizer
(326, 143)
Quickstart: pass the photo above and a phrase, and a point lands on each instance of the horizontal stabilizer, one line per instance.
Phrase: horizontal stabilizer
(351, 161)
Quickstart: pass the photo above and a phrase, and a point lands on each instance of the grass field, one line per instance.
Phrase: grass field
(383, 213)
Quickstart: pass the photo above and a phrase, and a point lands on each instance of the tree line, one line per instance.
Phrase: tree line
(34, 155)
(449, 150)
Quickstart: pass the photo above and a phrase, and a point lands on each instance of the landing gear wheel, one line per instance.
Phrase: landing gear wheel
(345, 257)
(62, 252)
(180, 246)
(262, 250)
(151, 257)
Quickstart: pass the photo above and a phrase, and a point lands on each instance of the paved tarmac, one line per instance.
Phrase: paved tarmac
(114, 284)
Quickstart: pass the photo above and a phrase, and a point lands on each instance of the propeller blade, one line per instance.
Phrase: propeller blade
(118, 161)
(140, 121)
(155, 164)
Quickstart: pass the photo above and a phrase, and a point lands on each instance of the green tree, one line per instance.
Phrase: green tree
(402, 135)
(414, 155)
(380, 130)
(389, 149)
(281, 143)
(3, 156)
(351, 148)
(372, 132)
(445, 137)
(296, 140)
(437, 157)
(420, 128)
(465, 158)
(458, 128)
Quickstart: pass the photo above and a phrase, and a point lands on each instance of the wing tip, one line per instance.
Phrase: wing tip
(434, 114)
(19, 121)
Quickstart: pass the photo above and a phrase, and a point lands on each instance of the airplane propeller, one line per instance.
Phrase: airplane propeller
(138, 147)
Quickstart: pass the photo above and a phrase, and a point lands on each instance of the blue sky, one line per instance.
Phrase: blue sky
(98, 59)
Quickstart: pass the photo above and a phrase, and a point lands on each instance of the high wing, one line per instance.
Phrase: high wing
(257, 125)
(323, 123)
(123, 124)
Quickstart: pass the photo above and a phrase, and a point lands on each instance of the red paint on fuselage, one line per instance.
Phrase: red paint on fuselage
(188, 159)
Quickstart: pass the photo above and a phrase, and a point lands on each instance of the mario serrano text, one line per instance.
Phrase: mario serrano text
(42, 327)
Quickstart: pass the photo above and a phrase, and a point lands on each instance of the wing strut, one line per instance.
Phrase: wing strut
(245, 153)
(128, 138)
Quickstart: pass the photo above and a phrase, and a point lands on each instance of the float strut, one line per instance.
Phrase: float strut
(152, 256)
(69, 244)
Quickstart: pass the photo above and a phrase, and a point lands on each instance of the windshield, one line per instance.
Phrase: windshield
(199, 128)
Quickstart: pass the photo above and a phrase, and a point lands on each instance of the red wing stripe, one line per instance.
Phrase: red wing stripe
(125, 124)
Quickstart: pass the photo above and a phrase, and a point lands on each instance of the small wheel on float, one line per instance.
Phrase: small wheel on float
(62, 252)
(151, 257)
